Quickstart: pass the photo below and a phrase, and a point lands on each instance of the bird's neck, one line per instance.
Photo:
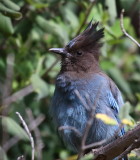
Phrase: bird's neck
(73, 75)
(79, 68)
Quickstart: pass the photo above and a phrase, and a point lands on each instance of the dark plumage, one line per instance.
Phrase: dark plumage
(80, 71)
(89, 39)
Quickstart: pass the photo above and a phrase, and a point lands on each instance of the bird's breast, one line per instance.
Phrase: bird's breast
(67, 86)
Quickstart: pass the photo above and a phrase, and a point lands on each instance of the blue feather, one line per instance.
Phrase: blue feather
(67, 109)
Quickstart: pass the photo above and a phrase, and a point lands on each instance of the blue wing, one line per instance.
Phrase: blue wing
(113, 103)
(115, 107)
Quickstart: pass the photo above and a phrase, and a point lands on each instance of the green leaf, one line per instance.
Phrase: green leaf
(6, 25)
(64, 155)
(106, 65)
(9, 12)
(11, 5)
(119, 79)
(89, 156)
(53, 28)
(14, 128)
(136, 76)
(95, 13)
(116, 29)
(3, 155)
(71, 18)
(37, 5)
(138, 96)
(39, 85)
(39, 67)
(124, 113)
(50, 59)
(125, 110)
(137, 109)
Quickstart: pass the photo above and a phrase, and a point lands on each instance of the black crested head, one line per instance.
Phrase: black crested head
(88, 39)
(81, 54)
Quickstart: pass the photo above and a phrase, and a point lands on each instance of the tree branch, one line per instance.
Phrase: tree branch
(120, 146)
(124, 31)
(38, 140)
(86, 15)
(89, 123)
(18, 95)
(69, 128)
(29, 134)
(32, 126)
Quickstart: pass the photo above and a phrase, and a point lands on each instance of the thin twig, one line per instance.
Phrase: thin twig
(92, 145)
(19, 95)
(86, 15)
(95, 144)
(90, 121)
(32, 126)
(125, 152)
(50, 68)
(70, 128)
(81, 100)
(124, 31)
(102, 142)
(130, 148)
(39, 142)
(88, 125)
(29, 134)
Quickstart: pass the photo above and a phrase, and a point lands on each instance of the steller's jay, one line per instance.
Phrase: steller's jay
(80, 72)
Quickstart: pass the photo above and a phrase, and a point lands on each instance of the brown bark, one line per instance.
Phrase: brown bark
(119, 147)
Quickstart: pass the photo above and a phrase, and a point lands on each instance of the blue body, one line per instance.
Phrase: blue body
(68, 110)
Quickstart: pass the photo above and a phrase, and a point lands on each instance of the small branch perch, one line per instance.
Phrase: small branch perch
(70, 128)
(29, 134)
(88, 124)
(37, 134)
(136, 144)
(120, 146)
(18, 95)
(124, 31)
(32, 125)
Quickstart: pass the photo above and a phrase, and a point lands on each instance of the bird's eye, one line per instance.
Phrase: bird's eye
(79, 53)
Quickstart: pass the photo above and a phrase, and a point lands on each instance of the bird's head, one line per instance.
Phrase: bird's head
(81, 54)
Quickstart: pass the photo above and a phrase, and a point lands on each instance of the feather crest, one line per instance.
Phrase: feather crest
(89, 37)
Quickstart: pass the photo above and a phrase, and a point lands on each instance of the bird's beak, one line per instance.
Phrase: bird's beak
(60, 51)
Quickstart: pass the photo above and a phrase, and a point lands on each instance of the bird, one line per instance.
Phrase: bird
(80, 74)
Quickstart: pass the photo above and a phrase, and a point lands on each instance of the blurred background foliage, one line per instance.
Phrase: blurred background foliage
(28, 28)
